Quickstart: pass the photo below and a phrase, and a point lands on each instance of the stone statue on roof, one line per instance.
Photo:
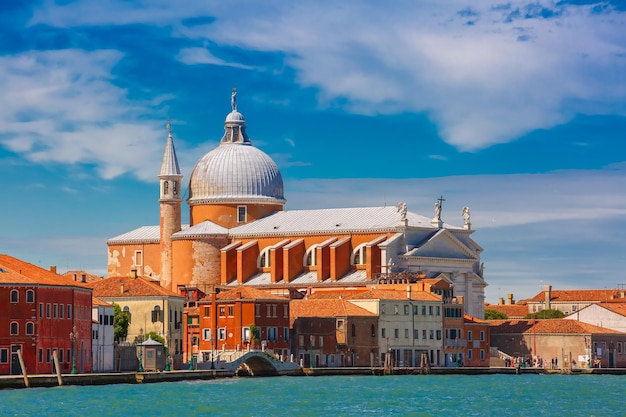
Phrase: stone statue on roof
(233, 99)
(466, 215)
(402, 210)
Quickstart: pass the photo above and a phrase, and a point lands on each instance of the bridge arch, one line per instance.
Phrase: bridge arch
(257, 365)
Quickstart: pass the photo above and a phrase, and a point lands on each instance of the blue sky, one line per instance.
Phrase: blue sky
(515, 109)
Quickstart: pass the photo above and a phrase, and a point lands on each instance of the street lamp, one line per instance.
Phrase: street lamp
(140, 340)
(167, 352)
(73, 337)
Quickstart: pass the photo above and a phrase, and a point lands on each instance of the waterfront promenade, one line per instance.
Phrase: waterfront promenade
(52, 380)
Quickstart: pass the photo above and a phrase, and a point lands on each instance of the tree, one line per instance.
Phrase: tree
(254, 335)
(545, 314)
(495, 315)
(155, 336)
(120, 322)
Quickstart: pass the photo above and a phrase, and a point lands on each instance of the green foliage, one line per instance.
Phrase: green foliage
(254, 333)
(546, 314)
(120, 323)
(155, 336)
(495, 315)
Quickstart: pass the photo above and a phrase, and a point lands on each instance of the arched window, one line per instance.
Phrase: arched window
(157, 314)
(15, 296)
(265, 258)
(359, 255)
(14, 328)
(166, 187)
(30, 328)
(310, 257)
(353, 330)
(373, 331)
(30, 296)
(175, 187)
(126, 311)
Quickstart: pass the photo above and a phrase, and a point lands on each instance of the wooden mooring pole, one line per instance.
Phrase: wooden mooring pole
(23, 366)
(55, 357)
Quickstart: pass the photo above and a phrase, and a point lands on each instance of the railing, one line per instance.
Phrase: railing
(404, 277)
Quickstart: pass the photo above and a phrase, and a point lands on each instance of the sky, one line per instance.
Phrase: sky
(515, 109)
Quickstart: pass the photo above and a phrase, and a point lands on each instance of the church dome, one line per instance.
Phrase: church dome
(235, 171)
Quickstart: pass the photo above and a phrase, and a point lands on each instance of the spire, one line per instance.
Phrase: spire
(169, 167)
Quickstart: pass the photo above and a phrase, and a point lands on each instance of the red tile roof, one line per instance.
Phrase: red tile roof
(511, 310)
(95, 301)
(119, 287)
(338, 307)
(13, 270)
(384, 294)
(615, 307)
(558, 326)
(578, 295)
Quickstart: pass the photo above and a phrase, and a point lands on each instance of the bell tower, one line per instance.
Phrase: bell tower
(170, 205)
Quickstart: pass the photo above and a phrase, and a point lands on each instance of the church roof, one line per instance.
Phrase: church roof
(304, 279)
(295, 222)
(331, 221)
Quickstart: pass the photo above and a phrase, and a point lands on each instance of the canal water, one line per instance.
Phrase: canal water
(406, 395)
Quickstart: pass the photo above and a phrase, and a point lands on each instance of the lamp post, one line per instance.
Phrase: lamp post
(73, 337)
(140, 340)
(167, 353)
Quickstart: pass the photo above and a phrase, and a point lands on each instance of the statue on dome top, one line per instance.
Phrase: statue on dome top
(233, 99)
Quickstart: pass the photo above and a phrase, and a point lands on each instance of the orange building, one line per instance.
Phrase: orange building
(239, 234)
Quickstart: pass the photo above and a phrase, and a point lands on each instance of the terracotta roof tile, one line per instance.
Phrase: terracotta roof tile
(579, 295)
(615, 307)
(118, 287)
(558, 326)
(95, 301)
(511, 310)
(383, 294)
(326, 308)
(13, 270)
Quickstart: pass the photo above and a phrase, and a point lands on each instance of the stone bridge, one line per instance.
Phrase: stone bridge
(253, 363)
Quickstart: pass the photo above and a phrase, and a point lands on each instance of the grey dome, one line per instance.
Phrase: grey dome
(236, 171)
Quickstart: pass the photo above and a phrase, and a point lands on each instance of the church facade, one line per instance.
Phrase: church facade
(239, 234)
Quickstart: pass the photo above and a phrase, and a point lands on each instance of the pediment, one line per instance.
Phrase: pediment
(442, 244)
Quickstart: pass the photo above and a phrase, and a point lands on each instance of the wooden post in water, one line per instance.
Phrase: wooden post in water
(24, 373)
(55, 358)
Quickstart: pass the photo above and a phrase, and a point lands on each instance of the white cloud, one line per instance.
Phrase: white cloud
(485, 72)
(194, 56)
(62, 106)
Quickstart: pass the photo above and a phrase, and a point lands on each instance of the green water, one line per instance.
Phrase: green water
(408, 395)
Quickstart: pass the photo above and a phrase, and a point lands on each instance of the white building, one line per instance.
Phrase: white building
(102, 346)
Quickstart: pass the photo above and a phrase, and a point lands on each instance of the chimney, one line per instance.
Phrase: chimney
(501, 301)
(83, 278)
(548, 294)
(75, 275)
(133, 273)
(53, 269)
(408, 292)
(510, 297)
(122, 287)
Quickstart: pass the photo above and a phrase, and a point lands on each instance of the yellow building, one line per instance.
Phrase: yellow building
(150, 307)
(240, 235)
